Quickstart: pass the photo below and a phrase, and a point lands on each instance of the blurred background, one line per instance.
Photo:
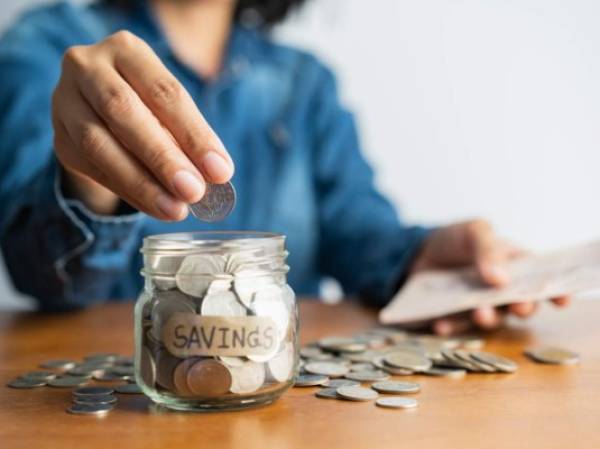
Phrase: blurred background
(466, 107)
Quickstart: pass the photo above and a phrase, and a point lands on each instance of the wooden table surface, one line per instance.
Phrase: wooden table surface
(538, 407)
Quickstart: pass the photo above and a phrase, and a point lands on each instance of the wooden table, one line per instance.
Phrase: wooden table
(538, 407)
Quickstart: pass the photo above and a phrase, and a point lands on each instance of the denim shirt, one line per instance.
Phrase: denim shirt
(299, 168)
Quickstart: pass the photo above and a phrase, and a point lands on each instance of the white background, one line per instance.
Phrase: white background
(467, 108)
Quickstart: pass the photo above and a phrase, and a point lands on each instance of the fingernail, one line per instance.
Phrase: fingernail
(188, 186)
(173, 209)
(216, 168)
(496, 273)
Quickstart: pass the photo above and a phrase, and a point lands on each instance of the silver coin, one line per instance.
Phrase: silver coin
(103, 376)
(368, 376)
(98, 399)
(92, 391)
(267, 302)
(310, 380)
(168, 303)
(336, 383)
(197, 271)
(342, 344)
(83, 372)
(90, 409)
(128, 389)
(223, 304)
(126, 371)
(101, 357)
(216, 204)
(314, 353)
(379, 363)
(361, 367)
(454, 373)
(407, 360)
(396, 402)
(68, 381)
(162, 269)
(39, 375)
(396, 387)
(247, 283)
(553, 355)
(58, 364)
(24, 382)
(246, 378)
(282, 365)
(357, 393)
(479, 366)
(327, 368)
(327, 393)
(500, 363)
(472, 343)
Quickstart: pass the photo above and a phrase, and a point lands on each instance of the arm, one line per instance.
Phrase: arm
(363, 242)
(55, 249)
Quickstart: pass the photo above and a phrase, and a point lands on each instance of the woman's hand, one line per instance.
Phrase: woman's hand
(124, 127)
(474, 243)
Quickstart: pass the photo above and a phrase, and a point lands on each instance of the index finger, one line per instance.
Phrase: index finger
(164, 95)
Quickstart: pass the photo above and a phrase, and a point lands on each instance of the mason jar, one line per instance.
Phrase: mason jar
(216, 325)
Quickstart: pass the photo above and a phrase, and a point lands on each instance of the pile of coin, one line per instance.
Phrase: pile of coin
(95, 368)
(228, 284)
(339, 365)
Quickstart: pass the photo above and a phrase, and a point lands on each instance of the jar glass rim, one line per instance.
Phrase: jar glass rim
(199, 239)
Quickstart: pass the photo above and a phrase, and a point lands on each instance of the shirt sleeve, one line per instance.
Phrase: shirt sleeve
(363, 242)
(55, 249)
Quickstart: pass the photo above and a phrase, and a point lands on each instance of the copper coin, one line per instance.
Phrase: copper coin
(208, 378)
(180, 376)
(165, 366)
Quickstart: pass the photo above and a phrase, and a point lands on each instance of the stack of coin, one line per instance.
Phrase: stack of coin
(94, 368)
(225, 283)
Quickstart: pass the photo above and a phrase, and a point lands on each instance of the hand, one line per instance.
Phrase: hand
(474, 243)
(124, 127)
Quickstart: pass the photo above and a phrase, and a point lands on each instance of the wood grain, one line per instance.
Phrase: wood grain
(538, 407)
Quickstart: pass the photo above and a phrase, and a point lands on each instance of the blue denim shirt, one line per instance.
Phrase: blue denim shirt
(299, 169)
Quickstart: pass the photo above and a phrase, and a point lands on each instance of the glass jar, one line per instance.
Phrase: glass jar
(216, 325)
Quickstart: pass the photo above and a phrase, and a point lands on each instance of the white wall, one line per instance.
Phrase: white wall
(470, 108)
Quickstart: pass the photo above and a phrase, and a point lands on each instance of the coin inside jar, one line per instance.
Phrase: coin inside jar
(208, 378)
(180, 378)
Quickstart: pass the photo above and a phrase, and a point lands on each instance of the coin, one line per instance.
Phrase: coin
(407, 360)
(327, 393)
(197, 271)
(396, 402)
(24, 382)
(216, 204)
(357, 393)
(327, 369)
(104, 376)
(247, 283)
(341, 344)
(312, 352)
(310, 380)
(209, 377)
(479, 366)
(336, 383)
(68, 381)
(500, 363)
(281, 366)
(180, 376)
(223, 304)
(39, 375)
(98, 399)
(378, 363)
(92, 391)
(165, 366)
(267, 302)
(454, 373)
(58, 364)
(247, 378)
(90, 409)
(147, 367)
(553, 355)
(101, 357)
(367, 376)
(361, 367)
(396, 387)
(84, 371)
(128, 389)
(162, 270)
(167, 304)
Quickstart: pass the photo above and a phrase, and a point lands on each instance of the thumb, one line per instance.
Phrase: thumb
(489, 259)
